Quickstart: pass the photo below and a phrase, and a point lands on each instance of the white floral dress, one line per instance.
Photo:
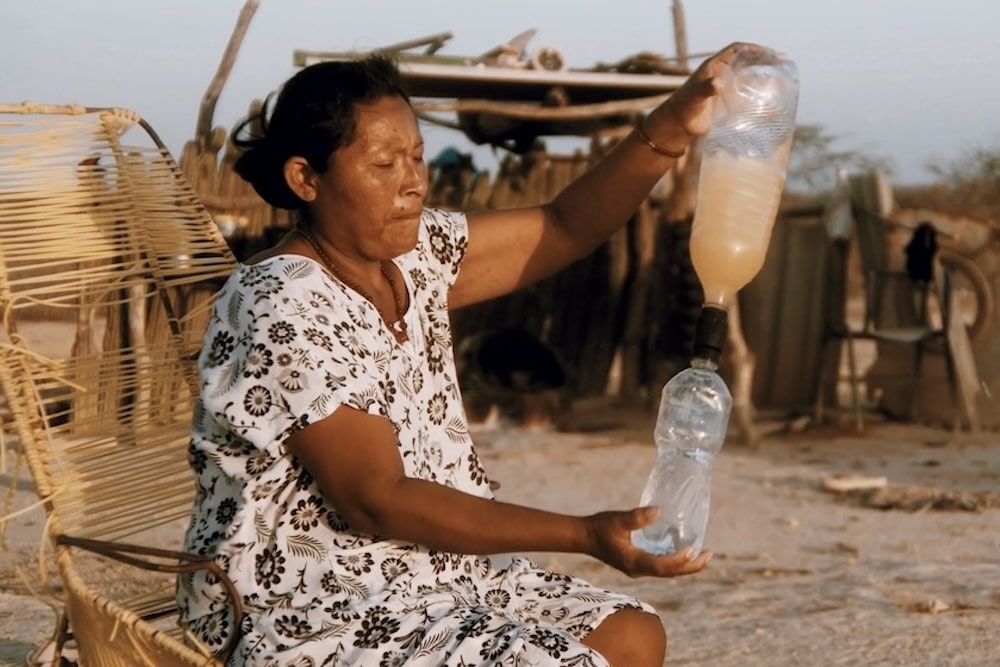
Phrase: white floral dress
(286, 346)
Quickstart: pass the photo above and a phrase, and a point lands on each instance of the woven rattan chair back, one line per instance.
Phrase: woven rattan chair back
(107, 268)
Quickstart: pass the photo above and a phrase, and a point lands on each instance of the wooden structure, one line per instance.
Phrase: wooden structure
(621, 320)
(608, 317)
(967, 362)
(904, 312)
(814, 282)
(510, 96)
(97, 223)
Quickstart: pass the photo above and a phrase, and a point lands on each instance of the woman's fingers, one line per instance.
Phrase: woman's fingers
(679, 564)
(613, 545)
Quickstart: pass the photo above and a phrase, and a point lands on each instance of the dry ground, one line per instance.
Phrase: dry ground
(801, 576)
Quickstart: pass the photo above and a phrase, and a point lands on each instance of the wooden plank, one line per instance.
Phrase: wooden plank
(440, 76)
(962, 359)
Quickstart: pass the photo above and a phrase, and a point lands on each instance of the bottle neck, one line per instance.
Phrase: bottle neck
(704, 363)
(710, 334)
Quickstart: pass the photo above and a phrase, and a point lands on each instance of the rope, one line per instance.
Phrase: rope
(105, 235)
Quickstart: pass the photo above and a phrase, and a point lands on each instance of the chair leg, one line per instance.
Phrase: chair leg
(918, 367)
(855, 382)
(51, 653)
(956, 410)
(821, 383)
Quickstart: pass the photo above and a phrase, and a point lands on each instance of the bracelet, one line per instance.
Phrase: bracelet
(641, 131)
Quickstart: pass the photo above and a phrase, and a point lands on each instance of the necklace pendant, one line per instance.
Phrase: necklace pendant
(398, 329)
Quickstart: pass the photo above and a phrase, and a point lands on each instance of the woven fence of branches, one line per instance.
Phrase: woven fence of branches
(606, 317)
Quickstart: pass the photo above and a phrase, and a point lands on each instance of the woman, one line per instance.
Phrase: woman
(337, 481)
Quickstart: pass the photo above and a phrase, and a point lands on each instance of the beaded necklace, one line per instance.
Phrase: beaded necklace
(398, 327)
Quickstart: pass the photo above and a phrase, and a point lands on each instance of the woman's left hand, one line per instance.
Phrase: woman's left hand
(611, 539)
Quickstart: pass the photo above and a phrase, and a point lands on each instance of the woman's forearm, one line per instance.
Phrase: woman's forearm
(601, 200)
(446, 519)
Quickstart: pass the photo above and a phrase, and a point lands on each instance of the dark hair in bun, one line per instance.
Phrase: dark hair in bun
(312, 117)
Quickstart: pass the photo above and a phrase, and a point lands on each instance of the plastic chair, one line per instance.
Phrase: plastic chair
(107, 268)
(895, 307)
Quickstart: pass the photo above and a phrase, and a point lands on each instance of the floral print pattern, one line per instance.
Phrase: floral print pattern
(288, 344)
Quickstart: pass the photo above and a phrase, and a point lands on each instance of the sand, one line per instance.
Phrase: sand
(800, 576)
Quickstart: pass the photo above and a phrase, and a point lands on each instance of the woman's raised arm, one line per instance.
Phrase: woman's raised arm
(510, 249)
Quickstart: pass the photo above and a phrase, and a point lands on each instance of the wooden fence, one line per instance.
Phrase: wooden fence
(612, 318)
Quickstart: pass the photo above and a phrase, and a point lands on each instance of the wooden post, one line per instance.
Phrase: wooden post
(637, 308)
(203, 129)
(743, 363)
(680, 34)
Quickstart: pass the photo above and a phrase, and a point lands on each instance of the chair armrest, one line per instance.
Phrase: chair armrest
(185, 562)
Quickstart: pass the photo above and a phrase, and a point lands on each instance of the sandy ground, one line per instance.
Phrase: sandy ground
(801, 575)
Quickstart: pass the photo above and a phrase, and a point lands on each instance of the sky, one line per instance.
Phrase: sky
(914, 82)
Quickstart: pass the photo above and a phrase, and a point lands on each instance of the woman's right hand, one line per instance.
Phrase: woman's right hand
(687, 113)
(611, 542)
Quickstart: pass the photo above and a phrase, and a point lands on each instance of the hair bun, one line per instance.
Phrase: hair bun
(311, 117)
(261, 164)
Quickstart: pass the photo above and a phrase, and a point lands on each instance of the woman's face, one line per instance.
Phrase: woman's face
(369, 200)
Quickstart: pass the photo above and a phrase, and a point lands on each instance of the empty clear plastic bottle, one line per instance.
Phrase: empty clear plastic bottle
(690, 430)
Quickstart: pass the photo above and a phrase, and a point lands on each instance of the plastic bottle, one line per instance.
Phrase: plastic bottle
(744, 161)
(690, 430)
(745, 157)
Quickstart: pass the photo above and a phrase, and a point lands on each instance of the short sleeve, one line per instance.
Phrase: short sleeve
(447, 241)
(287, 352)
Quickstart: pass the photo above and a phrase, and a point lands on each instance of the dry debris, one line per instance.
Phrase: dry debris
(877, 493)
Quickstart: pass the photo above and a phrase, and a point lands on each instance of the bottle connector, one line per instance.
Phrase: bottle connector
(710, 333)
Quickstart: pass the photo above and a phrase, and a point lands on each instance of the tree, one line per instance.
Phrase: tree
(814, 161)
(973, 181)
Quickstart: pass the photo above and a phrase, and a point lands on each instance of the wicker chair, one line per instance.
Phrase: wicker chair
(107, 267)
